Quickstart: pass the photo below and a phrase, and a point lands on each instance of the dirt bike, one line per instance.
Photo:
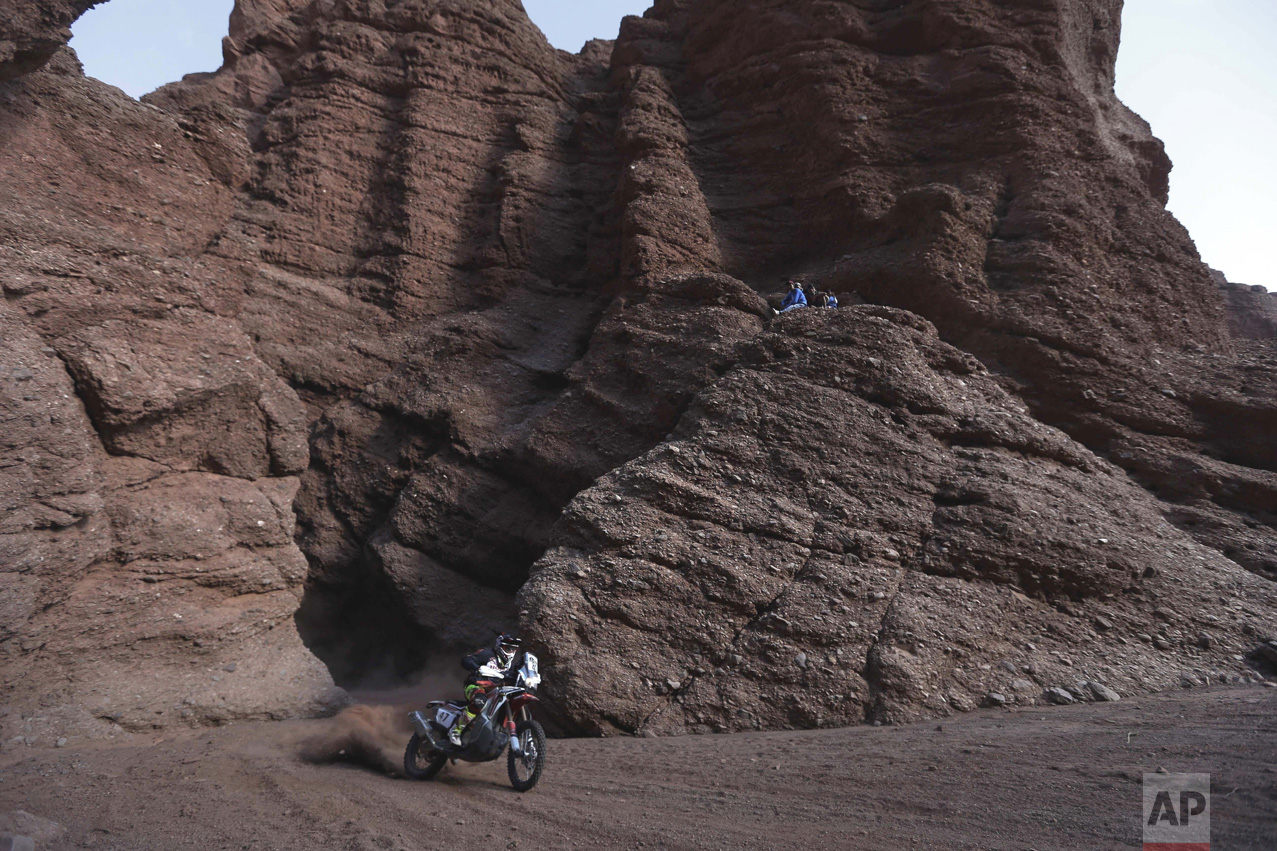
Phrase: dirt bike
(505, 721)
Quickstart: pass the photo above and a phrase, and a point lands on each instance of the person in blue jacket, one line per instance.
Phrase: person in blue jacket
(794, 298)
(831, 300)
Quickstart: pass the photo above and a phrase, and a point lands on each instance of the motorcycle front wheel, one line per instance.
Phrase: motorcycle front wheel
(525, 768)
(420, 760)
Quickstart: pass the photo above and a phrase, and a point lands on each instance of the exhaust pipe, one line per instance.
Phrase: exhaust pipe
(430, 737)
(419, 724)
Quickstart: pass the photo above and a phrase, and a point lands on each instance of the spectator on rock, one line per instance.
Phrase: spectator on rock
(830, 300)
(793, 298)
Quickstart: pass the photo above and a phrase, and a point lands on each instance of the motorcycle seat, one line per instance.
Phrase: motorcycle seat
(451, 704)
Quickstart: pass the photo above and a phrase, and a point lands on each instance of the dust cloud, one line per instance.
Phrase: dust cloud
(374, 731)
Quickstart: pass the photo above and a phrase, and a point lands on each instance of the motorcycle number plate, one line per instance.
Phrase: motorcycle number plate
(446, 717)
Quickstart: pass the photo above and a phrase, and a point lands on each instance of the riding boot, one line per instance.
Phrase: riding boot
(454, 735)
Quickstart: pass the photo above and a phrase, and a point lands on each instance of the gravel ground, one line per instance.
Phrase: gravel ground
(1065, 778)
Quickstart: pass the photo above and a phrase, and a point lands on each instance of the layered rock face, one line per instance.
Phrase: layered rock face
(971, 165)
(33, 32)
(150, 458)
(1252, 310)
(758, 570)
(467, 331)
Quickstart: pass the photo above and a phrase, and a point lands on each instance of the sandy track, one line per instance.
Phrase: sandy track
(1063, 778)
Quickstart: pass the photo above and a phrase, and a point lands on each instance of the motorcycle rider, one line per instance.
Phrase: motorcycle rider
(489, 668)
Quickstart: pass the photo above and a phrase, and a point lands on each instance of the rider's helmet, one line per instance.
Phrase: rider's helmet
(507, 645)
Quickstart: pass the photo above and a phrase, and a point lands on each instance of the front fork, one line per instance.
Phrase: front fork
(516, 747)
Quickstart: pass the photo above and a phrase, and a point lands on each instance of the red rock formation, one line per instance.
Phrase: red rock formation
(1252, 310)
(763, 568)
(150, 457)
(33, 32)
(442, 279)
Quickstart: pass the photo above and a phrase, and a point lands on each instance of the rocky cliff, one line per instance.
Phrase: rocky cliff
(413, 318)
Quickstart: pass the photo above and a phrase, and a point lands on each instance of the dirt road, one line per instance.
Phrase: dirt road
(1061, 778)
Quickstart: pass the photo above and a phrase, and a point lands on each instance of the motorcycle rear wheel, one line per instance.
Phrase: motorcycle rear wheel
(525, 768)
(420, 760)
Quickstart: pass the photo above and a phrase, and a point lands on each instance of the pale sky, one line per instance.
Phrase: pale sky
(1202, 72)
